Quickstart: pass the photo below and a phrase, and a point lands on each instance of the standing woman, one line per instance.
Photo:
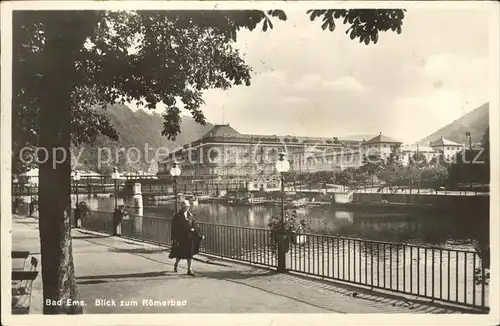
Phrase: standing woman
(185, 237)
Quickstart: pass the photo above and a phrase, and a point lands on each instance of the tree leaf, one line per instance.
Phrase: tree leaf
(332, 26)
(324, 25)
(353, 34)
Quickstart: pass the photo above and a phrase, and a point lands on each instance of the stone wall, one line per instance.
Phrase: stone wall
(469, 204)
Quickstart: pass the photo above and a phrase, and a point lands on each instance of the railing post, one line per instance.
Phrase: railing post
(77, 217)
(117, 223)
(283, 248)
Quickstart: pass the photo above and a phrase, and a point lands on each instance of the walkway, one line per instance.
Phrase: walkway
(118, 269)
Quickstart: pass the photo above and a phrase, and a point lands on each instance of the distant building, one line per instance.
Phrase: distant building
(446, 147)
(407, 151)
(226, 157)
(442, 147)
(381, 145)
(331, 159)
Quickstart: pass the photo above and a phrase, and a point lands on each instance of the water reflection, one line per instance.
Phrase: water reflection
(384, 226)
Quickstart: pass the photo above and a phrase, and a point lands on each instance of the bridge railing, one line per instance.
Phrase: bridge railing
(441, 274)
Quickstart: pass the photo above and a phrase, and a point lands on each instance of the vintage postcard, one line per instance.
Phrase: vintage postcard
(255, 163)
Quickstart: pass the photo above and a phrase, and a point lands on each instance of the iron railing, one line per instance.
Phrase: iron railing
(97, 221)
(247, 244)
(447, 275)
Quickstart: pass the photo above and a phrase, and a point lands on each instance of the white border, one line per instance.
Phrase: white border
(246, 319)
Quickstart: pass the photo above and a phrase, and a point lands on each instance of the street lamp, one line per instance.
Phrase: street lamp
(175, 172)
(115, 176)
(282, 166)
(76, 178)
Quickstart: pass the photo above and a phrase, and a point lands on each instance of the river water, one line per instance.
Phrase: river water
(391, 226)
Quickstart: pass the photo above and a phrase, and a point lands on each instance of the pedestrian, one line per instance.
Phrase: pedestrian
(185, 237)
(31, 208)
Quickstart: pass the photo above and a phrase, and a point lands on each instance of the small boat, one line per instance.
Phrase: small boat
(204, 198)
(298, 202)
(246, 200)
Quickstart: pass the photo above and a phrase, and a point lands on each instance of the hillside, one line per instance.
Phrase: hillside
(135, 129)
(474, 122)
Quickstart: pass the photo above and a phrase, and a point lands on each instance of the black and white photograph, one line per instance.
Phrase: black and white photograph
(185, 161)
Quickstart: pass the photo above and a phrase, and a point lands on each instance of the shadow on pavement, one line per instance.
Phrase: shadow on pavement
(90, 236)
(120, 276)
(210, 262)
(232, 275)
(93, 282)
(137, 250)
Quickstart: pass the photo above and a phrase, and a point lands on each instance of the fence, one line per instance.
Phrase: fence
(435, 273)
(446, 275)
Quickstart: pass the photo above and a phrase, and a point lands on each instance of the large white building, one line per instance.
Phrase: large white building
(407, 151)
(446, 147)
(381, 145)
(353, 155)
(226, 158)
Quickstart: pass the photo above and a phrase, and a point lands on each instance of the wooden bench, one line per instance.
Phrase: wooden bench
(22, 285)
(20, 255)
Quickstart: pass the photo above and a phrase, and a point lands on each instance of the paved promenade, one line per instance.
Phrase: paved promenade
(118, 269)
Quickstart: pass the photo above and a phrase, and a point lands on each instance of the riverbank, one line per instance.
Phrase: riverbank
(120, 269)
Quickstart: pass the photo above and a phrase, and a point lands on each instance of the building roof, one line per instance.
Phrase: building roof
(227, 131)
(444, 142)
(382, 139)
(222, 131)
(231, 135)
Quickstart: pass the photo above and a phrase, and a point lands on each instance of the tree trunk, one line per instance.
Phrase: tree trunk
(65, 33)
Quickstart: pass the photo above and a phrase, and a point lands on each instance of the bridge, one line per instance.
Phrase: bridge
(149, 187)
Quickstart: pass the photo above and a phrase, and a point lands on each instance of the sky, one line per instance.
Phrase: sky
(310, 82)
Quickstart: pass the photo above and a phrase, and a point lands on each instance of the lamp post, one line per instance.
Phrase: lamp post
(175, 172)
(115, 176)
(76, 178)
(282, 166)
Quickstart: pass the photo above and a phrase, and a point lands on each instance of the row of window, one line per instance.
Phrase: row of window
(380, 145)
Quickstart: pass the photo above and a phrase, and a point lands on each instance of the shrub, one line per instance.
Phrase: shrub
(292, 223)
(83, 208)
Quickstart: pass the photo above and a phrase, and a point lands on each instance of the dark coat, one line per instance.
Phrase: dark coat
(185, 243)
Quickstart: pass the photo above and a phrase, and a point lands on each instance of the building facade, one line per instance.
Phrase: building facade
(447, 148)
(380, 145)
(312, 160)
(226, 158)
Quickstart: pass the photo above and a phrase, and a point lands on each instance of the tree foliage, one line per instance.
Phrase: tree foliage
(364, 24)
(151, 57)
